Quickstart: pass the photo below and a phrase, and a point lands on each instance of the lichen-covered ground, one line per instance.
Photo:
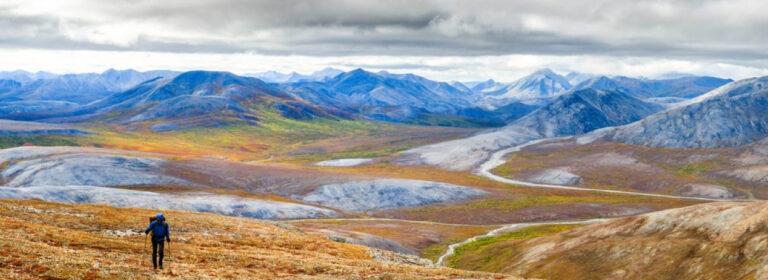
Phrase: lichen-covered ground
(42, 240)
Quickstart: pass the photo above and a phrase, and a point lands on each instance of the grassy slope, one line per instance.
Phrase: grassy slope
(278, 137)
(493, 253)
(60, 241)
(724, 240)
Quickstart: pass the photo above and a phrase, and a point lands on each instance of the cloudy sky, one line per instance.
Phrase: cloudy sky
(447, 40)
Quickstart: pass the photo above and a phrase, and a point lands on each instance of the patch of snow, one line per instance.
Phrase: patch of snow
(199, 202)
(345, 162)
(361, 196)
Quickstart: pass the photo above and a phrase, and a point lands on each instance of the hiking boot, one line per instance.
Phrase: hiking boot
(161, 267)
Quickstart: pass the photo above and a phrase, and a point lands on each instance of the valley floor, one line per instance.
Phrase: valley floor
(245, 171)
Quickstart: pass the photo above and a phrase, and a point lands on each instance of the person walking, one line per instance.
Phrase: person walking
(160, 234)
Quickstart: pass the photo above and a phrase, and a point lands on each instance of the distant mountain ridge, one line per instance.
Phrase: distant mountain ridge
(46, 92)
(381, 96)
(536, 88)
(196, 94)
(293, 77)
(683, 87)
(193, 98)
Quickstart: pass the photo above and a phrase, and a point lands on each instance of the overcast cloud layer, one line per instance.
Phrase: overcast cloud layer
(428, 37)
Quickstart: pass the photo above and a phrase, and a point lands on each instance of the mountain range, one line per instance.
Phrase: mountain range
(380, 96)
(202, 98)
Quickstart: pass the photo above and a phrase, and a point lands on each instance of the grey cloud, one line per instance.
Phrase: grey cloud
(701, 29)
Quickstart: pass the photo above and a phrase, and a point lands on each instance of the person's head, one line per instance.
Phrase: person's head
(160, 217)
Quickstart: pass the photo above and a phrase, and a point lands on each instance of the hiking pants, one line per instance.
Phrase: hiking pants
(157, 244)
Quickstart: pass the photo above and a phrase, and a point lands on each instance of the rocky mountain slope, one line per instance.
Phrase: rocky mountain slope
(42, 240)
(585, 110)
(732, 115)
(573, 113)
(382, 95)
(707, 241)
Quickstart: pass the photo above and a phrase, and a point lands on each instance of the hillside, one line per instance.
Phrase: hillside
(730, 116)
(585, 110)
(572, 113)
(708, 241)
(43, 240)
(391, 97)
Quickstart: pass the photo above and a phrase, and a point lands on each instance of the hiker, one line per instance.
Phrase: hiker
(160, 231)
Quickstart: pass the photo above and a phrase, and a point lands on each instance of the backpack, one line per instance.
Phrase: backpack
(160, 229)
